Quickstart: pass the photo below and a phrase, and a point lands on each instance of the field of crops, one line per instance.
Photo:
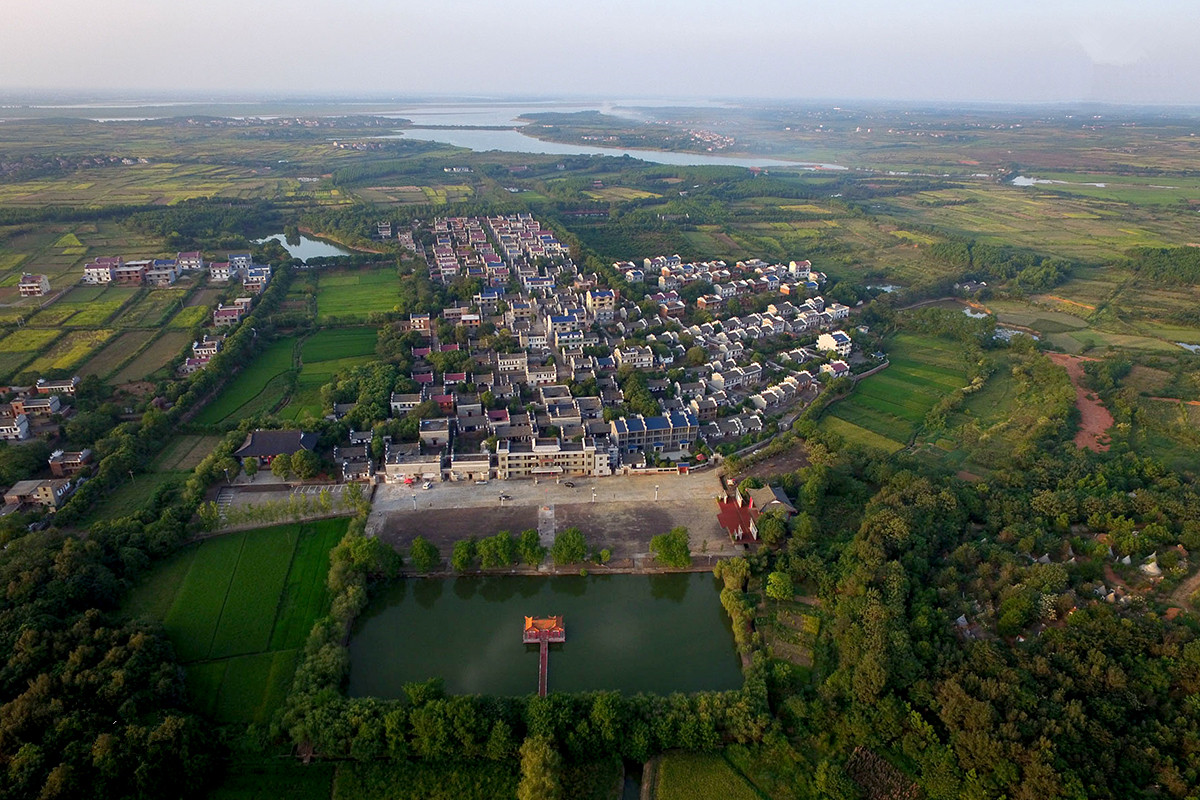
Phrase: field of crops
(892, 404)
(352, 295)
(116, 353)
(69, 351)
(428, 780)
(238, 608)
(151, 308)
(699, 776)
(160, 352)
(21, 346)
(260, 386)
(323, 355)
(185, 452)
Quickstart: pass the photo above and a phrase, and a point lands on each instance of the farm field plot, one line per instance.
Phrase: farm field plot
(115, 353)
(185, 452)
(151, 308)
(892, 404)
(237, 608)
(699, 776)
(428, 780)
(131, 496)
(69, 351)
(355, 294)
(21, 346)
(160, 352)
(263, 779)
(323, 355)
(159, 183)
(90, 306)
(260, 386)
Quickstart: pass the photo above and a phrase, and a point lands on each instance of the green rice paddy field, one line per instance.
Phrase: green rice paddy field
(886, 409)
(238, 608)
(352, 295)
(699, 776)
(323, 355)
(261, 385)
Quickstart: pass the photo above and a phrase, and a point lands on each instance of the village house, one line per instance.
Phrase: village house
(50, 493)
(836, 342)
(34, 285)
(64, 464)
(64, 386)
(14, 427)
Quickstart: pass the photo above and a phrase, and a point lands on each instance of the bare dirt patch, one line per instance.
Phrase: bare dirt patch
(1094, 417)
(790, 460)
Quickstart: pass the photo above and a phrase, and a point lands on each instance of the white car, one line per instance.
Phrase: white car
(427, 485)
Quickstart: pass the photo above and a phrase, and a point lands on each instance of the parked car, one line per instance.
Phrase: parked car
(505, 497)
(569, 484)
(427, 485)
(481, 482)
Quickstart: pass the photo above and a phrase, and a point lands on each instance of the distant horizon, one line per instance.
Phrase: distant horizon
(81, 99)
(1020, 52)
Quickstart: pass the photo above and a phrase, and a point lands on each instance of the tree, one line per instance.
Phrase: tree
(250, 467)
(779, 586)
(423, 555)
(210, 515)
(569, 547)
(529, 547)
(672, 549)
(281, 466)
(305, 463)
(463, 556)
(540, 765)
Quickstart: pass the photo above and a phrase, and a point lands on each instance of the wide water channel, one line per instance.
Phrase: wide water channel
(632, 633)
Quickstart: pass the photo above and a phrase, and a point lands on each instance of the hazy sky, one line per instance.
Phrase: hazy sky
(1006, 50)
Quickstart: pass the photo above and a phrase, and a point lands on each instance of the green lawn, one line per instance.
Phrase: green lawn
(261, 385)
(238, 608)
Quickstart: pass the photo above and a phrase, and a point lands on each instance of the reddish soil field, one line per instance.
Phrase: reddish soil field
(1094, 417)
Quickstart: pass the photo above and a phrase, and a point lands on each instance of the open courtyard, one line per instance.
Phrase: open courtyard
(623, 516)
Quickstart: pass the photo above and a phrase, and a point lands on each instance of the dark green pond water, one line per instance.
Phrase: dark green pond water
(632, 633)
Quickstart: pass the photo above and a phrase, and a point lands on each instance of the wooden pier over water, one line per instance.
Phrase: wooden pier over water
(542, 631)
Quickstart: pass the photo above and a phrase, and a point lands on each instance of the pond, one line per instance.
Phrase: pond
(308, 248)
(631, 633)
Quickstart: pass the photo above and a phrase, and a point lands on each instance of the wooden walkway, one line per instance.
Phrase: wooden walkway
(543, 667)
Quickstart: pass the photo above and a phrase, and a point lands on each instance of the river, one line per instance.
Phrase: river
(512, 141)
(632, 633)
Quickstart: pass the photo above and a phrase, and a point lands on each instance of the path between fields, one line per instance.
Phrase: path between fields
(1094, 417)
(1176, 400)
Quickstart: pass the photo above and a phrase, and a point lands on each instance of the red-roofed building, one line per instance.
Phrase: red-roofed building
(739, 518)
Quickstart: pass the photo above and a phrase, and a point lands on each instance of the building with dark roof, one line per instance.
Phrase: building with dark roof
(265, 445)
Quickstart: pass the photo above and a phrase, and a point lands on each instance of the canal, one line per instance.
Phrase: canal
(631, 633)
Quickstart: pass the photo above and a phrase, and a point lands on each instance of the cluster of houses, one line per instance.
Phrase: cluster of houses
(159, 272)
(163, 272)
(462, 246)
(670, 274)
(574, 334)
(31, 411)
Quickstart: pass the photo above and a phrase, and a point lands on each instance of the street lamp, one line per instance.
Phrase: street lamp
(593, 494)
(656, 494)
(227, 475)
(414, 502)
